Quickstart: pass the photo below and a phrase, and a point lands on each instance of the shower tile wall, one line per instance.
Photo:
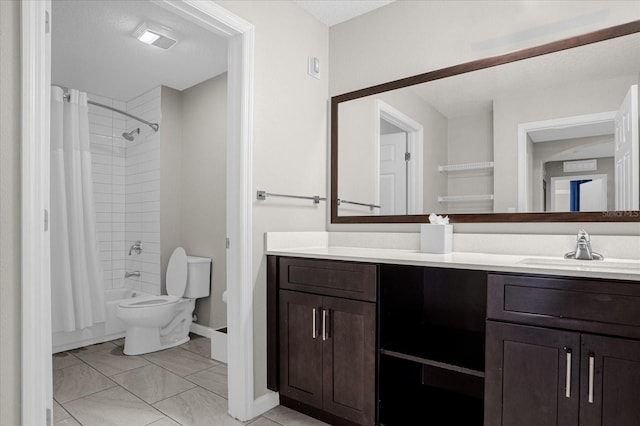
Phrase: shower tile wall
(108, 168)
(127, 190)
(142, 193)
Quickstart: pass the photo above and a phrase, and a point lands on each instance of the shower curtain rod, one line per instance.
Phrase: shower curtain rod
(154, 126)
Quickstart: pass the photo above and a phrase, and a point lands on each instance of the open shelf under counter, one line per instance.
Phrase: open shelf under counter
(447, 348)
(413, 394)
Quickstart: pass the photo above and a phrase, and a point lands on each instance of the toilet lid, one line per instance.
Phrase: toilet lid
(177, 273)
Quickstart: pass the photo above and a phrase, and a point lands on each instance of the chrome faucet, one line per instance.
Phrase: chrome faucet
(583, 249)
(137, 247)
(128, 274)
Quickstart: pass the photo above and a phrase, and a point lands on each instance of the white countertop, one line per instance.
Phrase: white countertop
(620, 269)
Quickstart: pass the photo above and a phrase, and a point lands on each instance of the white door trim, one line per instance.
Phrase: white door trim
(556, 123)
(415, 134)
(37, 392)
(36, 334)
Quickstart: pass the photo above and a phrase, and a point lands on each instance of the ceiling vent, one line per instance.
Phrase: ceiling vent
(153, 37)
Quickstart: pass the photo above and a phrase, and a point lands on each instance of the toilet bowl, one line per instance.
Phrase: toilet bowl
(160, 322)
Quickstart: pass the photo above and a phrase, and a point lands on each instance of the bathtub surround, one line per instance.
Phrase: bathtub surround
(77, 288)
(142, 193)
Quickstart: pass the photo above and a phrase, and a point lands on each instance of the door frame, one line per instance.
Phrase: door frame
(37, 389)
(554, 182)
(415, 140)
(556, 123)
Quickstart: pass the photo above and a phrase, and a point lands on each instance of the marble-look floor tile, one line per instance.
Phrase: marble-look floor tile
(113, 361)
(69, 421)
(288, 417)
(180, 361)
(93, 348)
(59, 413)
(199, 345)
(152, 383)
(213, 379)
(114, 407)
(77, 381)
(197, 407)
(64, 360)
(118, 342)
(165, 421)
(263, 421)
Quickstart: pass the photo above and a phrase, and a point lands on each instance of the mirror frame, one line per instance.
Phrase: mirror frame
(544, 49)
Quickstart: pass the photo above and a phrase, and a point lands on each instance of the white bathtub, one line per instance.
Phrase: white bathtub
(112, 328)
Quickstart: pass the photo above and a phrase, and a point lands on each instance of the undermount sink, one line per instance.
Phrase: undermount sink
(582, 264)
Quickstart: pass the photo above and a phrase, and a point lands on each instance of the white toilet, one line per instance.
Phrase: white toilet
(160, 322)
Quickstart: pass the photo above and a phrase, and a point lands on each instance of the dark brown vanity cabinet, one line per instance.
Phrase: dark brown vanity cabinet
(432, 346)
(547, 360)
(326, 353)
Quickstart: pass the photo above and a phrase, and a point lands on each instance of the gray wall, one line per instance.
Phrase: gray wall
(204, 188)
(193, 184)
(10, 213)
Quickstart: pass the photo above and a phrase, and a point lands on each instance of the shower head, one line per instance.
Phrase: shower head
(129, 136)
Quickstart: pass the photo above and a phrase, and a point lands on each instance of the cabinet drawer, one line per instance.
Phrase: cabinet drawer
(332, 278)
(573, 303)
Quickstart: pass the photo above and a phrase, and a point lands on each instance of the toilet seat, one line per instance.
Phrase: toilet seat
(149, 301)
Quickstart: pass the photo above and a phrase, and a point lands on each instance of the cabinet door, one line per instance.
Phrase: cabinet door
(300, 347)
(526, 381)
(349, 359)
(610, 380)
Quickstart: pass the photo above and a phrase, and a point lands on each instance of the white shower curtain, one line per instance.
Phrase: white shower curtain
(77, 287)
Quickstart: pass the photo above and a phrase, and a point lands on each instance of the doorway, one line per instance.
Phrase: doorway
(36, 300)
(398, 148)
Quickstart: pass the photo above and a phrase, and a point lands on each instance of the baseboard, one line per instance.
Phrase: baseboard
(219, 346)
(201, 330)
(265, 403)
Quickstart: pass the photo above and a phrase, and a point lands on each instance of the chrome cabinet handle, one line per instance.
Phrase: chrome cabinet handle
(314, 332)
(592, 361)
(567, 383)
(324, 324)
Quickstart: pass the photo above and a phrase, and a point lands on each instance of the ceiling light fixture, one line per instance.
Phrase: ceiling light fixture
(148, 37)
(153, 37)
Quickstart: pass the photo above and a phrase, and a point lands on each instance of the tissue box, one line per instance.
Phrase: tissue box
(436, 238)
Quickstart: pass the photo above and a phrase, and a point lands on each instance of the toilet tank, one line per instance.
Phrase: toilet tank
(198, 277)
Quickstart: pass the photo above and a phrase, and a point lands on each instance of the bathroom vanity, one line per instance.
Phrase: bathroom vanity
(394, 337)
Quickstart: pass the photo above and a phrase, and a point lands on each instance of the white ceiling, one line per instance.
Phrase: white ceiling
(332, 12)
(93, 49)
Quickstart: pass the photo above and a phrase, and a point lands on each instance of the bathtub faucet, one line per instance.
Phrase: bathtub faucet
(128, 274)
(137, 247)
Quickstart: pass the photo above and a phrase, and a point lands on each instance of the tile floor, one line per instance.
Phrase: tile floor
(99, 385)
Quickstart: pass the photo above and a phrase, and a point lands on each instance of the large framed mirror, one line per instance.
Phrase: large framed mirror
(544, 134)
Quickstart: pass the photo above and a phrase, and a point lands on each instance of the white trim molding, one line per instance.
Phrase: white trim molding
(556, 123)
(415, 138)
(37, 393)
